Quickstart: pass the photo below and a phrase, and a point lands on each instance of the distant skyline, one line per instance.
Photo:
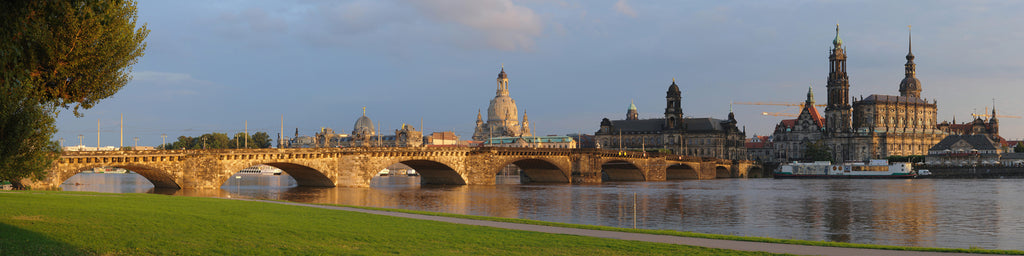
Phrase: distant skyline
(212, 66)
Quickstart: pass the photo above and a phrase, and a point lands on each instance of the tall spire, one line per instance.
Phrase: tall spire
(910, 86)
(838, 41)
(364, 111)
(810, 97)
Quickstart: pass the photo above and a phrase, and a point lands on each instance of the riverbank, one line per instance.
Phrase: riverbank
(76, 223)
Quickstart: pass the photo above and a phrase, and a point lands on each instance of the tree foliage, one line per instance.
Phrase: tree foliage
(26, 150)
(75, 52)
(1019, 148)
(817, 151)
(220, 141)
(58, 54)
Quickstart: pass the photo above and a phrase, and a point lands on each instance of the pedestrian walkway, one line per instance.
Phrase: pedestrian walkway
(702, 242)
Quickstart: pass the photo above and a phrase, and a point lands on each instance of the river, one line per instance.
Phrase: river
(951, 213)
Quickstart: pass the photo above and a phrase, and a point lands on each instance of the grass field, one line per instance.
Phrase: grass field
(76, 223)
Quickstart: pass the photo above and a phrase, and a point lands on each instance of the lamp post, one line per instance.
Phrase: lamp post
(163, 141)
(80, 140)
(136, 139)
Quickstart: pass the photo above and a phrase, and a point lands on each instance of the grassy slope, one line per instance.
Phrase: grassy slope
(70, 223)
(702, 235)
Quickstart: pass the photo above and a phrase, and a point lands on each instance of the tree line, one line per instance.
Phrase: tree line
(218, 140)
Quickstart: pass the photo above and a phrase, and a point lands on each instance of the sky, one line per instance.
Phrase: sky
(215, 66)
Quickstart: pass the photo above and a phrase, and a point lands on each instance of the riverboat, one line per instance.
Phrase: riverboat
(411, 172)
(261, 169)
(873, 169)
(384, 172)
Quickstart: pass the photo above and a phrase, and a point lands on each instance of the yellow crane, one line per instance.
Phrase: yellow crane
(778, 114)
(988, 116)
(769, 103)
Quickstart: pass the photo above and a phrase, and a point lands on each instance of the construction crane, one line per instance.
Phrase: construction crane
(788, 104)
(998, 116)
(778, 114)
(987, 116)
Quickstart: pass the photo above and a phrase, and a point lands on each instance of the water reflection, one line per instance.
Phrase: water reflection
(933, 213)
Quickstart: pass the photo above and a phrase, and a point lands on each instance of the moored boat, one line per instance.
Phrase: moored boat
(873, 169)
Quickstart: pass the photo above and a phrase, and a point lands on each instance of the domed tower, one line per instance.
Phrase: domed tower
(502, 114)
(631, 113)
(910, 86)
(363, 130)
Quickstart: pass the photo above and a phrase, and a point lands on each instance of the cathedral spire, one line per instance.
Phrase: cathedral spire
(910, 86)
(810, 96)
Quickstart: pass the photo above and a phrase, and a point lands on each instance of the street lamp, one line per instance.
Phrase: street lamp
(136, 142)
(80, 140)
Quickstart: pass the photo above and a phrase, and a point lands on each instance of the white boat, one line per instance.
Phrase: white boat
(412, 172)
(873, 169)
(384, 172)
(261, 169)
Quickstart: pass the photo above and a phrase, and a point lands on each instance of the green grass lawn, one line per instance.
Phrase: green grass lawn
(76, 223)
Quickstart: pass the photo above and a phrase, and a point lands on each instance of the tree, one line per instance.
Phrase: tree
(817, 151)
(26, 150)
(260, 140)
(58, 55)
(1019, 148)
(74, 52)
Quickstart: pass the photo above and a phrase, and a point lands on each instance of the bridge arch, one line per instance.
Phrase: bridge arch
(722, 172)
(539, 169)
(431, 171)
(681, 172)
(159, 177)
(756, 172)
(621, 170)
(304, 175)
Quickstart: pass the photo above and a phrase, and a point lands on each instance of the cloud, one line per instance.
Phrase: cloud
(501, 23)
(170, 84)
(622, 7)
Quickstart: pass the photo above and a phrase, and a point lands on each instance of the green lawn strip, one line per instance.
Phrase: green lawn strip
(697, 235)
(81, 223)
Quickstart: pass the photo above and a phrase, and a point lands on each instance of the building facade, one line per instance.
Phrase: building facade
(705, 137)
(792, 136)
(532, 142)
(502, 115)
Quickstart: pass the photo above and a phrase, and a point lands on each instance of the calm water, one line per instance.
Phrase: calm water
(984, 213)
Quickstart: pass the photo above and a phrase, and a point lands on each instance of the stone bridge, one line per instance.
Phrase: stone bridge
(354, 167)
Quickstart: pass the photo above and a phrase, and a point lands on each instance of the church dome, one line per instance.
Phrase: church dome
(910, 84)
(502, 108)
(363, 126)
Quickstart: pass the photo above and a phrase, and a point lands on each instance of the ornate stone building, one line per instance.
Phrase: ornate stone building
(791, 136)
(502, 115)
(880, 125)
(706, 137)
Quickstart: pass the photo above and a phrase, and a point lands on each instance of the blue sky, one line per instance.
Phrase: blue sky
(210, 66)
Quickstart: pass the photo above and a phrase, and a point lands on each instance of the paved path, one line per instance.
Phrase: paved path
(702, 242)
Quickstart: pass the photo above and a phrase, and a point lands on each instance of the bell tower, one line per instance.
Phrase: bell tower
(838, 113)
(673, 109)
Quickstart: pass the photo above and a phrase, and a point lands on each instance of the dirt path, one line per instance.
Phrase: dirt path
(702, 242)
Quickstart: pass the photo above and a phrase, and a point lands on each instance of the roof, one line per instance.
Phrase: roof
(878, 98)
(815, 116)
(657, 125)
(788, 123)
(979, 142)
